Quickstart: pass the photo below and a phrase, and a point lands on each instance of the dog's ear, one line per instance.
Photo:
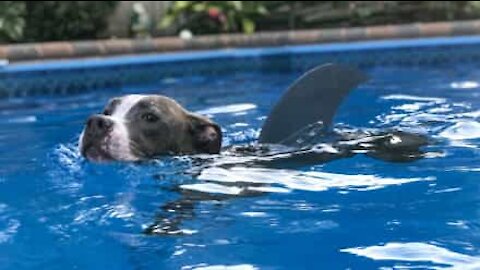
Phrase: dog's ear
(207, 136)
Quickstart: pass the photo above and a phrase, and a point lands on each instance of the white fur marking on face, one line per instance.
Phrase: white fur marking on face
(125, 105)
(118, 145)
(80, 139)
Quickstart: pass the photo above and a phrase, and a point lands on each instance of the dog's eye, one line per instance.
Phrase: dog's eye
(149, 117)
(107, 112)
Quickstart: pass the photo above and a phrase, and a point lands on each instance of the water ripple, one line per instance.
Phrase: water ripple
(418, 252)
(220, 267)
(462, 130)
(233, 108)
(8, 226)
(241, 180)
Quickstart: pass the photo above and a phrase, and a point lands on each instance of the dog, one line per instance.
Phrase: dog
(139, 127)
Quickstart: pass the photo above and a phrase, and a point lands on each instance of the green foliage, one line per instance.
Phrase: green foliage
(203, 17)
(65, 20)
(24, 21)
(140, 22)
(234, 16)
(12, 20)
(314, 14)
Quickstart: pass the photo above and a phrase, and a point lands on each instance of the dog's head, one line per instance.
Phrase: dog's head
(137, 127)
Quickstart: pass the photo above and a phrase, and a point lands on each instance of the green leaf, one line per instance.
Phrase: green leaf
(248, 26)
(181, 4)
(262, 10)
(238, 5)
(199, 7)
(166, 21)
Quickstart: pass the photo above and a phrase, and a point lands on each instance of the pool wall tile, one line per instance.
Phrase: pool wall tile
(143, 45)
(441, 28)
(331, 35)
(381, 32)
(22, 52)
(465, 28)
(118, 46)
(3, 52)
(87, 48)
(168, 44)
(407, 31)
(355, 33)
(55, 50)
(63, 77)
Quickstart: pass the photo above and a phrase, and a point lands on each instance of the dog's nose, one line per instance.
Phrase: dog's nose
(98, 125)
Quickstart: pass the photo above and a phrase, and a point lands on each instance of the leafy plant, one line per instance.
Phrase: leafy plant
(24, 21)
(140, 22)
(66, 20)
(321, 14)
(12, 20)
(203, 17)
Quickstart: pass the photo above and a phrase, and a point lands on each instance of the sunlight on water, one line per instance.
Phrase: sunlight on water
(233, 108)
(414, 98)
(289, 180)
(464, 85)
(463, 130)
(8, 226)
(221, 267)
(418, 252)
(26, 119)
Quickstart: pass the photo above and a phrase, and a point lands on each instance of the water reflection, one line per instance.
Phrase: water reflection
(204, 266)
(420, 253)
(253, 170)
(261, 179)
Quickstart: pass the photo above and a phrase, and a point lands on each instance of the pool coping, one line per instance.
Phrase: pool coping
(112, 47)
(152, 58)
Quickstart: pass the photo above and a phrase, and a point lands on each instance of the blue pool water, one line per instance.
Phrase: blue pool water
(58, 211)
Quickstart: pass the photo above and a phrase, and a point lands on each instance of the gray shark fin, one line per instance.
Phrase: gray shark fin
(313, 98)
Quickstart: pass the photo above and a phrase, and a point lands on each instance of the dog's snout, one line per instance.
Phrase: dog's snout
(98, 125)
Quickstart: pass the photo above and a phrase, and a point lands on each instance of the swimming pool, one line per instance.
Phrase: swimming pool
(58, 211)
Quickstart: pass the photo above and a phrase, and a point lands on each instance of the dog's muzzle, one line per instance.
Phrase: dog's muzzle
(95, 139)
